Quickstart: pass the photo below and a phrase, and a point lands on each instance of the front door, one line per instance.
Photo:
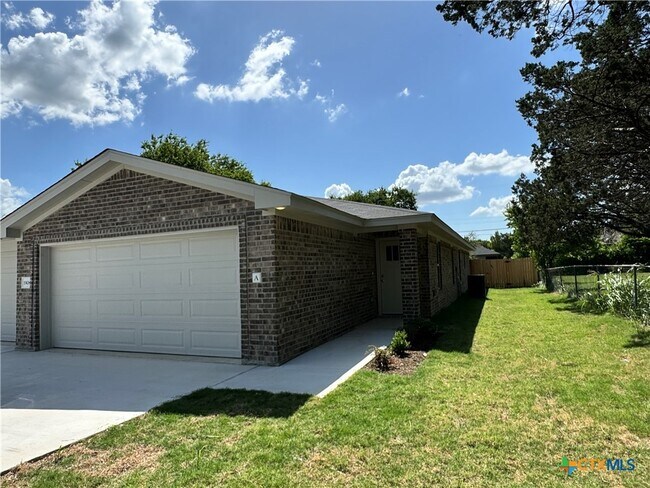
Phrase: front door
(390, 278)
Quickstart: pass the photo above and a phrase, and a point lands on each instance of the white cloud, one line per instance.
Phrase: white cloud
(332, 110)
(263, 78)
(338, 191)
(11, 197)
(444, 183)
(404, 93)
(93, 77)
(303, 89)
(434, 185)
(39, 18)
(495, 207)
(501, 163)
(333, 113)
(316, 63)
(36, 17)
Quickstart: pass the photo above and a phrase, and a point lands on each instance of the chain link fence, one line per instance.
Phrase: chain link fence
(579, 280)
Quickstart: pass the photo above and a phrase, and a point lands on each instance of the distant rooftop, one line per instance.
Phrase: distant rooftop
(366, 210)
(482, 251)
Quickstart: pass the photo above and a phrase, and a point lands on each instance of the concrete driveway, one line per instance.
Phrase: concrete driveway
(56, 397)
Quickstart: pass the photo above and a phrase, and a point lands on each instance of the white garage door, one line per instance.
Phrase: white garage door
(8, 289)
(167, 294)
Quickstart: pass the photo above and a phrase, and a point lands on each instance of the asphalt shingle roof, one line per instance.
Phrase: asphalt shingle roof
(366, 210)
(480, 250)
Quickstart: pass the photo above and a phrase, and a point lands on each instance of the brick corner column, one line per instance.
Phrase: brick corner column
(408, 253)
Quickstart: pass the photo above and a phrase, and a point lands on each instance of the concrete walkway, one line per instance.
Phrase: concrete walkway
(56, 397)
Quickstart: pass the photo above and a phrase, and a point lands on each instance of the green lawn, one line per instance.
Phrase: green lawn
(516, 384)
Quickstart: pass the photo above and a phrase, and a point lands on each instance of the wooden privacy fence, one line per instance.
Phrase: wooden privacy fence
(505, 273)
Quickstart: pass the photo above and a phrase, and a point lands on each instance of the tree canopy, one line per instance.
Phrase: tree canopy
(592, 119)
(174, 149)
(394, 197)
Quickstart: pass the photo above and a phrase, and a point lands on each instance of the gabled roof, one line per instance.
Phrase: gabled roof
(482, 251)
(353, 216)
(366, 210)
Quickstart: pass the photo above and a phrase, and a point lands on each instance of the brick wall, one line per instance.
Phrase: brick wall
(132, 204)
(433, 295)
(325, 283)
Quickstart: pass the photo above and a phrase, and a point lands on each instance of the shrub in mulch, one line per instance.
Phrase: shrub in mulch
(407, 348)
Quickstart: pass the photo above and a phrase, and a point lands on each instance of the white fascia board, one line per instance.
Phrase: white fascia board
(264, 197)
(58, 195)
(109, 162)
(307, 205)
(371, 224)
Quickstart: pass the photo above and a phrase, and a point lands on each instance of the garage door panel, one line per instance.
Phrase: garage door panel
(214, 277)
(161, 278)
(213, 309)
(8, 289)
(73, 281)
(214, 248)
(163, 337)
(115, 281)
(73, 256)
(158, 250)
(119, 252)
(161, 308)
(64, 309)
(115, 308)
(149, 294)
(111, 336)
(75, 336)
(216, 342)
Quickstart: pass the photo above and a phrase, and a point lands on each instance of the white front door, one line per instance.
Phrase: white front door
(390, 277)
(175, 294)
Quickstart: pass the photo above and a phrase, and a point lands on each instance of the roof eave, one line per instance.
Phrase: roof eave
(109, 162)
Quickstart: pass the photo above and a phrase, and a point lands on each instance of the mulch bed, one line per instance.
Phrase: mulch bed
(404, 366)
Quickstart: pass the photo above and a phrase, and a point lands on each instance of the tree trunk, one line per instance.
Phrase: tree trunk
(548, 281)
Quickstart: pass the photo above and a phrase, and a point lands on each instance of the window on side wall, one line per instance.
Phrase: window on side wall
(439, 260)
(453, 268)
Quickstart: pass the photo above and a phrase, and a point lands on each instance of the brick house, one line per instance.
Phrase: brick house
(130, 254)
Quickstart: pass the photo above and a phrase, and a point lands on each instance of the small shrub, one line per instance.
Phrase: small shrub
(422, 334)
(399, 344)
(381, 361)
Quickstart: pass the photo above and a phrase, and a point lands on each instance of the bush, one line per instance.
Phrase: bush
(381, 361)
(616, 295)
(399, 344)
(422, 334)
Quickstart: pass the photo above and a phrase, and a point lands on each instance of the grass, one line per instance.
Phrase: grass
(516, 383)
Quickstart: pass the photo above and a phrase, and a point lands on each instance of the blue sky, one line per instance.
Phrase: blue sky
(310, 96)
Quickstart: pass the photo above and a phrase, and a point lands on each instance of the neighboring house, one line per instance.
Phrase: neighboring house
(130, 254)
(482, 252)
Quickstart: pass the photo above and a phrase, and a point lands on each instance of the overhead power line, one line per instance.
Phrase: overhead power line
(483, 230)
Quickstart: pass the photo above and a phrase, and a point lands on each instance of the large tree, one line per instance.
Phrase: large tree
(543, 223)
(394, 197)
(592, 117)
(174, 149)
(502, 243)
